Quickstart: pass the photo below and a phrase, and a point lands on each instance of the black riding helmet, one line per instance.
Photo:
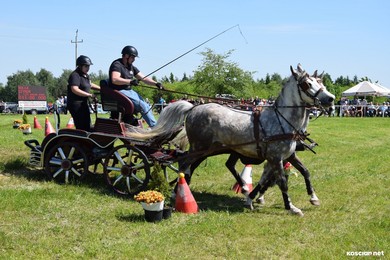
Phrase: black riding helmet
(130, 50)
(83, 60)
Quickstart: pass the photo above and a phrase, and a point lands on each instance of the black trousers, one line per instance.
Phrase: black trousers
(80, 113)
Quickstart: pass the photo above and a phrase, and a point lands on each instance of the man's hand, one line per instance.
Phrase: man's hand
(159, 86)
(134, 82)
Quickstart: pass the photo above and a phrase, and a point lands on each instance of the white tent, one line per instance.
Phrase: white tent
(366, 88)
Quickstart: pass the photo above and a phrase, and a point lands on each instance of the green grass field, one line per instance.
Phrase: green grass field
(40, 219)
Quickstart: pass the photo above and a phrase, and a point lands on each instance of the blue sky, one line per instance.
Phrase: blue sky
(341, 37)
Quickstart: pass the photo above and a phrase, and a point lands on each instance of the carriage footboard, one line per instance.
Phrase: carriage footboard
(35, 152)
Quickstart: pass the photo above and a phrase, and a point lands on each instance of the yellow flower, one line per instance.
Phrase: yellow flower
(149, 196)
(24, 126)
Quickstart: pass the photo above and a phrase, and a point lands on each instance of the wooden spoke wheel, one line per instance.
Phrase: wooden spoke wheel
(66, 162)
(171, 172)
(127, 170)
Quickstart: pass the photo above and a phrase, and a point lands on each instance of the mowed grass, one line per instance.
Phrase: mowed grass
(40, 219)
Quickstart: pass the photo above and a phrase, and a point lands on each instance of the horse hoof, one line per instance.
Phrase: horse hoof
(295, 211)
(249, 206)
(260, 200)
(315, 202)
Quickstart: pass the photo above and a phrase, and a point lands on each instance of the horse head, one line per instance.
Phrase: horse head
(311, 89)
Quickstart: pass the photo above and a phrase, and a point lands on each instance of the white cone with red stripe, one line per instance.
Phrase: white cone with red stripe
(70, 123)
(246, 177)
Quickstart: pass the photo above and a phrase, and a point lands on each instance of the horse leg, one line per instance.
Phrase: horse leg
(294, 160)
(262, 186)
(268, 183)
(282, 182)
(230, 164)
(187, 167)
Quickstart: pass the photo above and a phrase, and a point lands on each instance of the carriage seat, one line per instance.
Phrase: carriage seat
(117, 103)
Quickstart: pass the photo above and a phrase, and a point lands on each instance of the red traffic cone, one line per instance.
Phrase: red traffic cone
(185, 202)
(70, 123)
(37, 125)
(246, 177)
(48, 127)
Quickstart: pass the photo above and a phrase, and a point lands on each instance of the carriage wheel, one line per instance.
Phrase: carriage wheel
(66, 162)
(171, 172)
(127, 170)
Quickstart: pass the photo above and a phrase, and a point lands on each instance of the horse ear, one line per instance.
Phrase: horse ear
(315, 74)
(300, 70)
(321, 75)
(294, 72)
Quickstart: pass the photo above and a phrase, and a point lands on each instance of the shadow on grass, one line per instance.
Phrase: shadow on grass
(19, 167)
(206, 201)
(219, 202)
(131, 218)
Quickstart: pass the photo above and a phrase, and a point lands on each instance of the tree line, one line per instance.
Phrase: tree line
(215, 75)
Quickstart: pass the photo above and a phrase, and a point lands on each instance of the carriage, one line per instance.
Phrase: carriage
(210, 129)
(68, 155)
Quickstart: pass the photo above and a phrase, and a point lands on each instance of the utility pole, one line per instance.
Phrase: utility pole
(76, 42)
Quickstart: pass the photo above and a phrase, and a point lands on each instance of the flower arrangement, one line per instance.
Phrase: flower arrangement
(149, 197)
(289, 169)
(24, 126)
(17, 122)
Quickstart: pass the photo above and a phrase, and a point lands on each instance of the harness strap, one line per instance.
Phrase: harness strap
(282, 137)
(256, 130)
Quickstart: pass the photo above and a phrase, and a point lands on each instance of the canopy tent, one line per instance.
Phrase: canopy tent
(366, 88)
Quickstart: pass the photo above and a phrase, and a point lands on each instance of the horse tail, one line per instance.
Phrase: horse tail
(170, 121)
(181, 140)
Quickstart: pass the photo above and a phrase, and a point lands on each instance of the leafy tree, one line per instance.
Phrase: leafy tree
(277, 78)
(216, 76)
(365, 79)
(96, 78)
(21, 78)
(267, 79)
(172, 78)
(46, 79)
(60, 89)
(185, 78)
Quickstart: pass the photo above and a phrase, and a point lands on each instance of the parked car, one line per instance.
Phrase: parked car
(10, 107)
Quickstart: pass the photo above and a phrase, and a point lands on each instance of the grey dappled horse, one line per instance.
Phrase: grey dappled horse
(215, 129)
(269, 179)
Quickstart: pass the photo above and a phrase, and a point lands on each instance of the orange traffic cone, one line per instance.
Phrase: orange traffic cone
(37, 125)
(70, 123)
(48, 127)
(185, 202)
(246, 177)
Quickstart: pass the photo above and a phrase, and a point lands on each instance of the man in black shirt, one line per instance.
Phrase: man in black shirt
(123, 76)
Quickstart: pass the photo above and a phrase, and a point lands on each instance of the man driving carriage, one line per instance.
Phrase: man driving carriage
(123, 75)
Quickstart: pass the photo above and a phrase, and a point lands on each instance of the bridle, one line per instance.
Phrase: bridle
(297, 134)
(304, 86)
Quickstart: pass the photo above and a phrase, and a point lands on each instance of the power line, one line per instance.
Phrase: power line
(76, 42)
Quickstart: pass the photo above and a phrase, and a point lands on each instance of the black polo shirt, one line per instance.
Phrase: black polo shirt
(126, 72)
(78, 78)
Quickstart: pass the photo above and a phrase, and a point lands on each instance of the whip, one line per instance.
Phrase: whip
(237, 25)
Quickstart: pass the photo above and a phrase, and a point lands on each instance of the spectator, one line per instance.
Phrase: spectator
(371, 110)
(382, 109)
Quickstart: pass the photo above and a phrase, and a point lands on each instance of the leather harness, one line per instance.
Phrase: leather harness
(266, 139)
